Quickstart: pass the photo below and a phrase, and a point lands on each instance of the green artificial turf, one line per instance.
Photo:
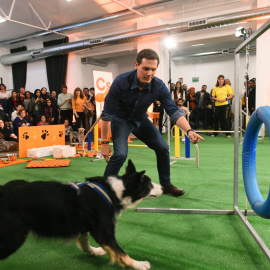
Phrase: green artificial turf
(166, 240)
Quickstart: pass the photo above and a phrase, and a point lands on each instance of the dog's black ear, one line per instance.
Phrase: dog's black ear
(139, 176)
(130, 167)
(142, 173)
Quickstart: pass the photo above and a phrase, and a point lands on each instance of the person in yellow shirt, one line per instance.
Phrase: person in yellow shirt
(78, 107)
(221, 94)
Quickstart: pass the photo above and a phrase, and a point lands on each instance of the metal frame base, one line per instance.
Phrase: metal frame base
(236, 211)
(194, 211)
(254, 234)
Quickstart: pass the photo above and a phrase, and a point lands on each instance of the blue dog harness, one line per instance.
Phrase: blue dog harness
(100, 189)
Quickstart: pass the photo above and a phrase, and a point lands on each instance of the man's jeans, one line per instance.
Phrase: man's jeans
(148, 134)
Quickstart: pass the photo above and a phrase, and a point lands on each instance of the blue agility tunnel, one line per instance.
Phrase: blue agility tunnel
(258, 204)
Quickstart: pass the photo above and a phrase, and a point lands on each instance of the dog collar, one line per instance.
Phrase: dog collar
(100, 189)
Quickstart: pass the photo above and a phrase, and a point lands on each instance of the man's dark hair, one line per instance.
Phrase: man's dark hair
(63, 86)
(147, 54)
(204, 85)
(252, 80)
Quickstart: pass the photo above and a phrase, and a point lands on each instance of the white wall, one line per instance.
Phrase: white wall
(262, 84)
(36, 77)
(5, 71)
(117, 65)
(208, 69)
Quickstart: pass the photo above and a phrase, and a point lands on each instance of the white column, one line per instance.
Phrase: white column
(262, 63)
(74, 69)
(150, 43)
(6, 71)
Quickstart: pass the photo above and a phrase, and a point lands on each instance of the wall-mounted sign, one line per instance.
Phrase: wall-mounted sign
(195, 79)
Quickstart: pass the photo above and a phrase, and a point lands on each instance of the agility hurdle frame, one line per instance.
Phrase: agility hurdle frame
(235, 210)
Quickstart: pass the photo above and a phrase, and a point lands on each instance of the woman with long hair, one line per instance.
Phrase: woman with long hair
(178, 92)
(78, 107)
(38, 105)
(221, 93)
(190, 102)
(44, 95)
(28, 104)
(13, 102)
(50, 112)
(4, 96)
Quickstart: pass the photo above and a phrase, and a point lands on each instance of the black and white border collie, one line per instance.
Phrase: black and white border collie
(52, 209)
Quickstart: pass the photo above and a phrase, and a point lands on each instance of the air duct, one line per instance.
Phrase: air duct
(90, 61)
(207, 54)
(112, 16)
(158, 31)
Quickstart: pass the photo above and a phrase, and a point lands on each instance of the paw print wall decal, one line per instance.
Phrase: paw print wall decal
(44, 135)
(25, 135)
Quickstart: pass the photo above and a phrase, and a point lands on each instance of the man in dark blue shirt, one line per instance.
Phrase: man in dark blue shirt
(125, 110)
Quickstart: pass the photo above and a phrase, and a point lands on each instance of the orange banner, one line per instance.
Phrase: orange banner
(40, 136)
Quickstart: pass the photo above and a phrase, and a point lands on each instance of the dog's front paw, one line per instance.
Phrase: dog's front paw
(97, 251)
(141, 265)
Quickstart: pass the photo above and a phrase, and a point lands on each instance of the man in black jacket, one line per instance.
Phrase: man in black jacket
(202, 100)
(252, 96)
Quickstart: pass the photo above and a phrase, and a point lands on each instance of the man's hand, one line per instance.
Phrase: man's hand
(194, 137)
(106, 151)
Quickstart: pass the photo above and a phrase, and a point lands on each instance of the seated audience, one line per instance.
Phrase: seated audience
(8, 140)
(6, 133)
(4, 116)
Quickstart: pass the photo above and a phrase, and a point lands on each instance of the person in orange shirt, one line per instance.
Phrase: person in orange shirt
(78, 107)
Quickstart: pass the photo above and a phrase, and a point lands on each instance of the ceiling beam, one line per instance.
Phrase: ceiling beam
(129, 8)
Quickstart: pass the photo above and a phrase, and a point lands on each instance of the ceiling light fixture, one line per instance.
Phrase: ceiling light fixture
(2, 19)
(170, 43)
(195, 45)
(240, 32)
